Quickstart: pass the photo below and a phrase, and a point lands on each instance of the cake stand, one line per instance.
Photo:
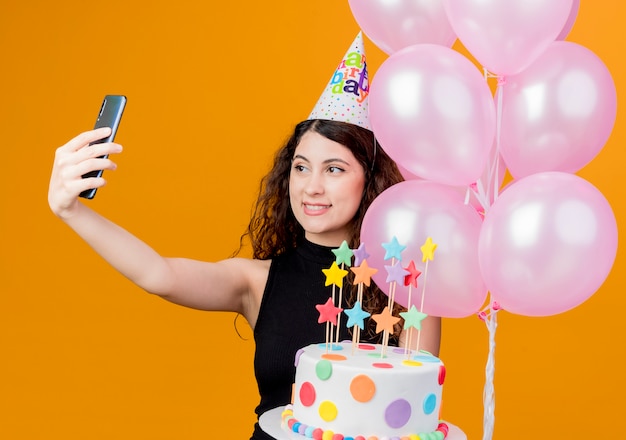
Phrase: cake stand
(271, 422)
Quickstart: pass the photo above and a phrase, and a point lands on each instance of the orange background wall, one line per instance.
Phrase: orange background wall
(213, 89)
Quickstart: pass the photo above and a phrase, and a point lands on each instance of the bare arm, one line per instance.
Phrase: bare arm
(232, 284)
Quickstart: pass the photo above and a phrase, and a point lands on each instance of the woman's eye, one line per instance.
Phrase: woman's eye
(334, 169)
(299, 168)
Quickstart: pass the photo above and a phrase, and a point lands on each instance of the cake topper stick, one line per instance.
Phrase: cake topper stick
(329, 327)
(428, 254)
(356, 315)
(328, 314)
(334, 277)
(411, 281)
(385, 322)
(390, 301)
(356, 336)
(395, 274)
(343, 256)
(355, 318)
(360, 256)
(393, 251)
(339, 317)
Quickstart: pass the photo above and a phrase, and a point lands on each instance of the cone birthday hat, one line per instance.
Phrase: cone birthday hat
(345, 96)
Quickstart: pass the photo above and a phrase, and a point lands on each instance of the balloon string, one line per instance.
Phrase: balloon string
(495, 179)
(468, 194)
(489, 316)
(481, 193)
(493, 176)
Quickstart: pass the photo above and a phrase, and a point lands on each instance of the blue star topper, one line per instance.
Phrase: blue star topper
(356, 315)
(393, 249)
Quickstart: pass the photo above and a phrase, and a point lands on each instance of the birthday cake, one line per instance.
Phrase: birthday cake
(350, 390)
(365, 392)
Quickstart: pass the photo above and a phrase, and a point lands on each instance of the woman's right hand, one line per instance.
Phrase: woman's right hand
(71, 161)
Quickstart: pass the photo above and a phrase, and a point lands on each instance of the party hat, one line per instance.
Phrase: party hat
(345, 96)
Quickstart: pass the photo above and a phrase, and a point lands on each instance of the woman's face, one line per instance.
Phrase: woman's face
(325, 188)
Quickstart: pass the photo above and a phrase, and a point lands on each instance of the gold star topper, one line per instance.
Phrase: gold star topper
(334, 275)
(428, 250)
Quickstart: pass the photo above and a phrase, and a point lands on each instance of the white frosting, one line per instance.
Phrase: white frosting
(402, 399)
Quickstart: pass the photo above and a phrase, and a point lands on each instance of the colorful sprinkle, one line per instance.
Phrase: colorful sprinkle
(377, 355)
(331, 347)
(317, 433)
(443, 428)
(297, 357)
(362, 388)
(328, 435)
(398, 413)
(382, 365)
(307, 394)
(426, 358)
(430, 403)
(328, 411)
(334, 357)
(409, 363)
(324, 369)
(442, 374)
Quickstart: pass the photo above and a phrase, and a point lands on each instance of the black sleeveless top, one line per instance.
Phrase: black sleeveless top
(287, 321)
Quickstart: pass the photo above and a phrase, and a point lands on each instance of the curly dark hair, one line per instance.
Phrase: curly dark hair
(273, 228)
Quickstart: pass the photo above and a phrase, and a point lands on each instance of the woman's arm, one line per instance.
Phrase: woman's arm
(231, 284)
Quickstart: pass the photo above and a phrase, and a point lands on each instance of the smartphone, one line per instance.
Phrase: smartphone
(110, 115)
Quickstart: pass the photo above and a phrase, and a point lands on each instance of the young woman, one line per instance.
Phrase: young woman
(315, 196)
